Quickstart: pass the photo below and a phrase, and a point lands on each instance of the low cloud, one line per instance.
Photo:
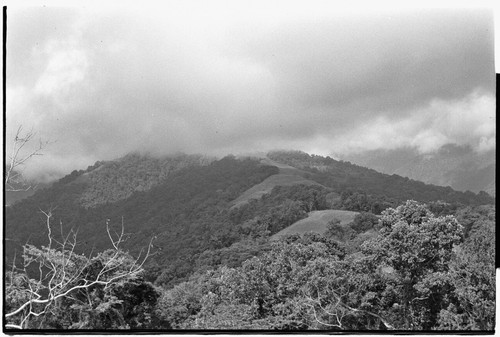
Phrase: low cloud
(210, 80)
(468, 121)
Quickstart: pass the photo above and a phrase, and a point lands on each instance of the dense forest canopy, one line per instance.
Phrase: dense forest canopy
(405, 265)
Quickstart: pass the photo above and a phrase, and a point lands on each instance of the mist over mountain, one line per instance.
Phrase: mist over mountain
(208, 79)
(459, 167)
(127, 116)
(203, 214)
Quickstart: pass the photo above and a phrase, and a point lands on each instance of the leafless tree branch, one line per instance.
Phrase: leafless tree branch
(16, 159)
(339, 306)
(62, 272)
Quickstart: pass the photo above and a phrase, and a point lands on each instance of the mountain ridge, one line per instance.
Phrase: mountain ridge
(190, 212)
(459, 167)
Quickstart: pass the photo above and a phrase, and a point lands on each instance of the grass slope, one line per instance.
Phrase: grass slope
(257, 191)
(317, 221)
(287, 176)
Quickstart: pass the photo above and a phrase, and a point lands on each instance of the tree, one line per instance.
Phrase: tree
(472, 274)
(335, 230)
(55, 277)
(301, 283)
(363, 222)
(414, 249)
(414, 275)
(17, 158)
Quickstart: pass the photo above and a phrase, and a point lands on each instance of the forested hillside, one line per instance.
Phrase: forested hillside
(116, 180)
(404, 279)
(212, 263)
(344, 176)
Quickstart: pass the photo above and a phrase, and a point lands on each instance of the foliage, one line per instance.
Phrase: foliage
(189, 207)
(335, 230)
(415, 275)
(416, 248)
(232, 256)
(474, 217)
(119, 179)
(264, 293)
(414, 272)
(472, 274)
(364, 221)
(55, 287)
(354, 234)
(370, 190)
(399, 272)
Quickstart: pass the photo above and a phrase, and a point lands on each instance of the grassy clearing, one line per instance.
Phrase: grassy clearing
(287, 176)
(257, 191)
(317, 221)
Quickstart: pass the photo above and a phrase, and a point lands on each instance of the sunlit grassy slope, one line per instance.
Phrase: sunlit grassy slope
(317, 221)
(287, 176)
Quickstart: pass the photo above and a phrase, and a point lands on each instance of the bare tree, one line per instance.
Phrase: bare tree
(60, 272)
(334, 310)
(17, 158)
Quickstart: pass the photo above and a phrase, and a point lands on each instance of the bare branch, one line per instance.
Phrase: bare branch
(338, 314)
(386, 324)
(67, 272)
(13, 326)
(13, 170)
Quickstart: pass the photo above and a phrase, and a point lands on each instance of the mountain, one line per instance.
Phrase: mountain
(203, 212)
(459, 167)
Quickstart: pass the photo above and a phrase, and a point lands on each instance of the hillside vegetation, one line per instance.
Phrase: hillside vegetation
(460, 167)
(200, 240)
(317, 221)
(347, 177)
(287, 176)
(117, 180)
(257, 191)
(187, 202)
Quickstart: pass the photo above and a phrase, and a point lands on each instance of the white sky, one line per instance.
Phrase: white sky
(223, 77)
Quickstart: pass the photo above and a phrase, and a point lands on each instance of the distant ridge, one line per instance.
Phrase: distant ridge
(459, 167)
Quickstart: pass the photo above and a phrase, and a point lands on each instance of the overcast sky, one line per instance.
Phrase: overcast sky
(231, 77)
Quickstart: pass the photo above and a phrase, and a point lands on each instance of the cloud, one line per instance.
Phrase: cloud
(466, 121)
(205, 79)
(385, 62)
(65, 68)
